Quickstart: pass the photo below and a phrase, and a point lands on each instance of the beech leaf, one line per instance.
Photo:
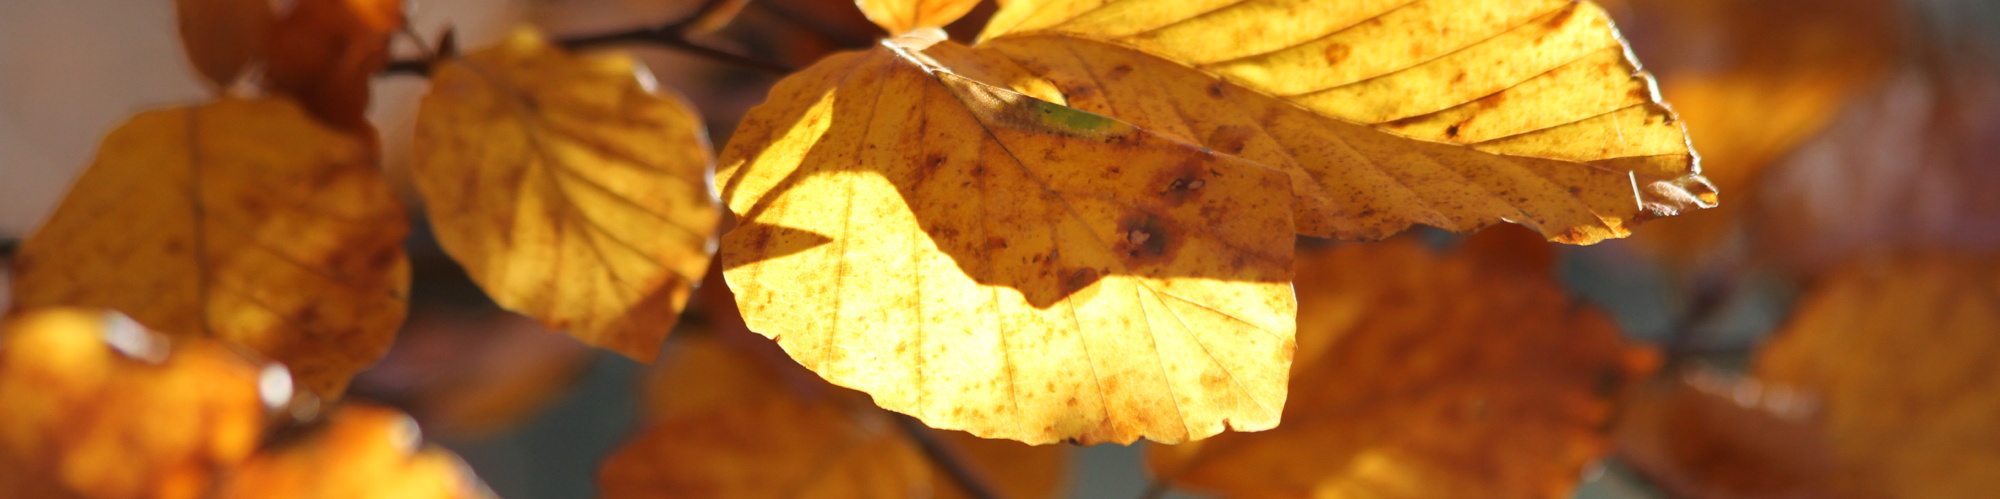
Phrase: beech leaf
(1451, 113)
(902, 16)
(223, 37)
(325, 53)
(996, 263)
(1427, 376)
(358, 451)
(244, 220)
(568, 189)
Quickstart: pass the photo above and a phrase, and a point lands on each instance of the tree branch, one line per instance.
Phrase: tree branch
(671, 35)
(8, 247)
(952, 464)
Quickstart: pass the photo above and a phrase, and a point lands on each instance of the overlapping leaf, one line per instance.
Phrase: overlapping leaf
(325, 53)
(568, 189)
(1450, 113)
(1422, 376)
(726, 424)
(223, 37)
(243, 220)
(901, 16)
(996, 263)
(359, 451)
(98, 407)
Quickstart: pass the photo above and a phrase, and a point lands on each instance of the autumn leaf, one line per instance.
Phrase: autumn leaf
(98, 407)
(1454, 114)
(243, 220)
(1706, 433)
(1900, 353)
(358, 451)
(725, 423)
(569, 189)
(901, 16)
(1427, 376)
(223, 37)
(996, 263)
(325, 53)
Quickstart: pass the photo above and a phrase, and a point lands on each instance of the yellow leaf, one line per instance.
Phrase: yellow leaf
(222, 37)
(902, 16)
(569, 190)
(1454, 114)
(1427, 376)
(1900, 353)
(728, 423)
(1000, 264)
(98, 407)
(243, 220)
(359, 451)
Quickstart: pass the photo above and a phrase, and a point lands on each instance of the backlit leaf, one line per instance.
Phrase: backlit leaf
(243, 220)
(359, 451)
(901, 16)
(568, 189)
(1427, 376)
(996, 263)
(325, 53)
(223, 37)
(1452, 113)
(98, 407)
(1900, 353)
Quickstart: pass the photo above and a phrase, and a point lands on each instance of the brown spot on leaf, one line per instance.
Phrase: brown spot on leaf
(1143, 238)
(1338, 52)
(1182, 182)
(1215, 90)
(1230, 138)
(1076, 280)
(1119, 71)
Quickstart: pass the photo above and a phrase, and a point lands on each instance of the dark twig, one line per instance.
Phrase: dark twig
(951, 462)
(671, 36)
(411, 67)
(8, 247)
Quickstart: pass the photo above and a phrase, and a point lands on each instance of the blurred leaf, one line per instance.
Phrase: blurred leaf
(98, 407)
(1901, 352)
(223, 37)
(466, 376)
(1386, 113)
(325, 53)
(568, 189)
(1707, 434)
(902, 16)
(992, 262)
(1428, 376)
(359, 451)
(243, 220)
(727, 423)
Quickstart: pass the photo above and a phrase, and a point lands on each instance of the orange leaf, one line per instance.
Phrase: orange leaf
(98, 407)
(902, 16)
(326, 52)
(244, 220)
(223, 37)
(360, 451)
(1427, 376)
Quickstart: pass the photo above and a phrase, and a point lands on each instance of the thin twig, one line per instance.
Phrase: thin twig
(8, 248)
(411, 67)
(670, 36)
(951, 462)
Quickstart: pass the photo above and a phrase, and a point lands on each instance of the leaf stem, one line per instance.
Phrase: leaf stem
(951, 462)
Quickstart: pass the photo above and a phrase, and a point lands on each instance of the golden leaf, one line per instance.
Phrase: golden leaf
(359, 451)
(569, 190)
(222, 37)
(98, 407)
(996, 263)
(1454, 114)
(1900, 353)
(325, 53)
(902, 16)
(726, 423)
(1427, 376)
(243, 220)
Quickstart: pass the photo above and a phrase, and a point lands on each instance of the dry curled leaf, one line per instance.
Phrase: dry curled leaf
(243, 220)
(359, 451)
(98, 407)
(1900, 352)
(569, 190)
(1452, 113)
(325, 53)
(902, 16)
(223, 37)
(726, 423)
(1427, 376)
(996, 263)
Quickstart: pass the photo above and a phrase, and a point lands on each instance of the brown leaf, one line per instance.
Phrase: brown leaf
(1386, 113)
(727, 424)
(359, 451)
(98, 407)
(243, 220)
(1426, 376)
(1707, 434)
(1901, 353)
(996, 263)
(569, 190)
(223, 37)
(326, 52)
